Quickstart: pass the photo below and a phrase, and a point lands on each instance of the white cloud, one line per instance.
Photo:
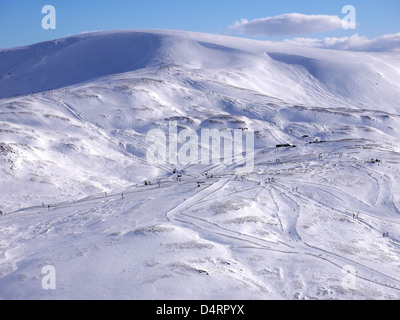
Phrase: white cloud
(389, 42)
(288, 24)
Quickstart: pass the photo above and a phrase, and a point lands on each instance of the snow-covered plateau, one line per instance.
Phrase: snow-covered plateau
(317, 220)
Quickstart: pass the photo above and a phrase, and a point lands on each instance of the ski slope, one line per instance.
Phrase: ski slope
(74, 114)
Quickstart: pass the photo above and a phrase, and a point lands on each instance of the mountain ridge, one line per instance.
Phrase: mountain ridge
(75, 59)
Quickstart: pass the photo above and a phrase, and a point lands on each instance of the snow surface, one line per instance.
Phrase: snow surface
(74, 114)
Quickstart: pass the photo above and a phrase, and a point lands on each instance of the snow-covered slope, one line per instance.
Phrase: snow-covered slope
(74, 115)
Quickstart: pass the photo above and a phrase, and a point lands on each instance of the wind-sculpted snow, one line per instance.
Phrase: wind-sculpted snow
(317, 217)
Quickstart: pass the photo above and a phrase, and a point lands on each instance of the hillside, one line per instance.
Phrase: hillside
(74, 116)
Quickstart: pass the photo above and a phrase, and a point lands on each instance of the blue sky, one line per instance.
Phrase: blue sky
(20, 20)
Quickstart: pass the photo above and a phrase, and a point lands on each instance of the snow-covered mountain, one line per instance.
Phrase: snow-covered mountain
(320, 220)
